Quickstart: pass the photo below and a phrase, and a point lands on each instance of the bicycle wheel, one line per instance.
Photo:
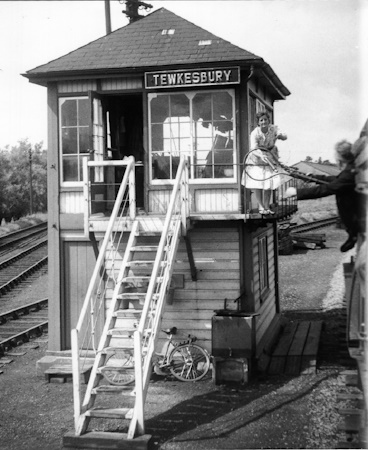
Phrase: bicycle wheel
(189, 362)
(119, 369)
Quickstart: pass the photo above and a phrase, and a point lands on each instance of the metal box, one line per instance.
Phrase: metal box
(230, 370)
(233, 336)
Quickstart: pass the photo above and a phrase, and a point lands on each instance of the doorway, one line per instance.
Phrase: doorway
(124, 134)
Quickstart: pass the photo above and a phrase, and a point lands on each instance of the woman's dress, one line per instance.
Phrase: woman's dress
(258, 174)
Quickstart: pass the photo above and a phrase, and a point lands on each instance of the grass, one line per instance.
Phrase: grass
(24, 222)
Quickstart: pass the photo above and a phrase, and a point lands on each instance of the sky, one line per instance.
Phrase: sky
(317, 48)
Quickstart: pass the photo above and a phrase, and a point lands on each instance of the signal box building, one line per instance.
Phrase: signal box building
(182, 102)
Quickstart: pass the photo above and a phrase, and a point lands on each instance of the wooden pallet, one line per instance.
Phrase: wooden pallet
(297, 348)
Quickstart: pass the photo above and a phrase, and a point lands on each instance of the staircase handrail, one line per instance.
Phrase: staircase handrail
(180, 178)
(179, 193)
(129, 177)
(127, 182)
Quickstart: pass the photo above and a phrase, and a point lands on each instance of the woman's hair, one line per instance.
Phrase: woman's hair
(343, 151)
(261, 114)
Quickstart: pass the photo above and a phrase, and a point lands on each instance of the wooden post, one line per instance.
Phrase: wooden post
(132, 195)
(107, 16)
(184, 192)
(139, 402)
(76, 377)
(86, 195)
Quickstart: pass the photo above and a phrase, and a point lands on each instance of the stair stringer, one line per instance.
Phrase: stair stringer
(95, 377)
(151, 320)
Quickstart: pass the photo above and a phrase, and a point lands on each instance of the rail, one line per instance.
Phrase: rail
(84, 339)
(28, 314)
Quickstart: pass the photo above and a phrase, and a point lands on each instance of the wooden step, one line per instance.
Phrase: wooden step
(145, 248)
(66, 371)
(122, 313)
(116, 366)
(140, 263)
(110, 413)
(143, 278)
(106, 439)
(132, 296)
(118, 349)
(120, 333)
(109, 389)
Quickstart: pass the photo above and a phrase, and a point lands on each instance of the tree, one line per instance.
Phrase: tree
(308, 159)
(15, 180)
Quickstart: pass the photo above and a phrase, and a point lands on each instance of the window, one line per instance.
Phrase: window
(263, 265)
(260, 107)
(198, 125)
(74, 136)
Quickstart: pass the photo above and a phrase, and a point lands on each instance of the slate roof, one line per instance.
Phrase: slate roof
(317, 169)
(141, 45)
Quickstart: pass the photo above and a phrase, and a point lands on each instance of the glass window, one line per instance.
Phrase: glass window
(74, 136)
(263, 265)
(198, 125)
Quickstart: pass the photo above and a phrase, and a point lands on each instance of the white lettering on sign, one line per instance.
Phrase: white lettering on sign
(190, 77)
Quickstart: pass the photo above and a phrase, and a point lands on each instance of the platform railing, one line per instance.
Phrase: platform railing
(283, 207)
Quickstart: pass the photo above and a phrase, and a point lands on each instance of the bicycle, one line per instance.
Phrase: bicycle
(186, 361)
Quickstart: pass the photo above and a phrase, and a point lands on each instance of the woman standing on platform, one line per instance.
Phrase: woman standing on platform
(261, 171)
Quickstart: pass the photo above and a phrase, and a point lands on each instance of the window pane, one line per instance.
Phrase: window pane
(202, 108)
(222, 107)
(157, 137)
(70, 168)
(69, 113)
(83, 112)
(185, 146)
(159, 109)
(69, 141)
(160, 166)
(179, 105)
(83, 140)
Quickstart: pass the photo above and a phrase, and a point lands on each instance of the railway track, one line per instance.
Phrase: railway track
(22, 238)
(19, 325)
(310, 226)
(18, 268)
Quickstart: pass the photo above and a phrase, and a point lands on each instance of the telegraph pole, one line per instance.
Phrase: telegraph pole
(30, 181)
(107, 16)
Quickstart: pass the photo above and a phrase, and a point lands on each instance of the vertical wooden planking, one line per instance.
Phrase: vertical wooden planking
(126, 83)
(71, 202)
(79, 262)
(216, 200)
(70, 87)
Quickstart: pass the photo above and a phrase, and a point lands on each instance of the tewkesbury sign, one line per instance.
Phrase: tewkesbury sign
(192, 77)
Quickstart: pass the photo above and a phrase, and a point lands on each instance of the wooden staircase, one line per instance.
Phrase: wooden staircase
(120, 375)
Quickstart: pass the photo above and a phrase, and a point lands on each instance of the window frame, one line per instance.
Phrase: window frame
(194, 181)
(263, 267)
(79, 156)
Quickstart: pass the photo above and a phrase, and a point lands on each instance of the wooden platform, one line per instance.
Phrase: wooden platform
(296, 350)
